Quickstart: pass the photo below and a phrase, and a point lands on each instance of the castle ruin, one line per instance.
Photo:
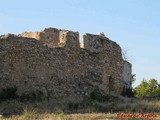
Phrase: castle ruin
(53, 64)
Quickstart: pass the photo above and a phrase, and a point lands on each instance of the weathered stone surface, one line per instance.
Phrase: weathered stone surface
(51, 63)
(54, 38)
(127, 73)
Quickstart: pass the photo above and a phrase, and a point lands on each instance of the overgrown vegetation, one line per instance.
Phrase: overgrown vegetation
(83, 110)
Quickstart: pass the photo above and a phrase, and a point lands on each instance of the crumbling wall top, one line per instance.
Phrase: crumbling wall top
(59, 38)
(53, 38)
(95, 43)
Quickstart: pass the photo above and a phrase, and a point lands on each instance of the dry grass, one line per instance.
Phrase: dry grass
(87, 116)
(92, 110)
(140, 106)
(46, 116)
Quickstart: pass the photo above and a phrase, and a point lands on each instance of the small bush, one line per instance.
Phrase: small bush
(128, 92)
(97, 95)
(8, 93)
(73, 106)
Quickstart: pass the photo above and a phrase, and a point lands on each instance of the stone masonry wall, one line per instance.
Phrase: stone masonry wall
(51, 64)
(112, 60)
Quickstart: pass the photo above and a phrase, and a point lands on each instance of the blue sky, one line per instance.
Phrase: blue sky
(134, 24)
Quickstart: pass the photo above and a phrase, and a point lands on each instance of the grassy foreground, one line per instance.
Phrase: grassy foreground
(61, 116)
(132, 109)
(28, 115)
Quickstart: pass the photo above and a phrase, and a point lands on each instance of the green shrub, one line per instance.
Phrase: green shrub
(147, 88)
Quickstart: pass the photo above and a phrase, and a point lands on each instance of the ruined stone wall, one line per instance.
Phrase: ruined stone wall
(51, 64)
(112, 60)
(54, 38)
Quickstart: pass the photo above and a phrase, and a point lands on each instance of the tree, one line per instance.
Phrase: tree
(147, 88)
